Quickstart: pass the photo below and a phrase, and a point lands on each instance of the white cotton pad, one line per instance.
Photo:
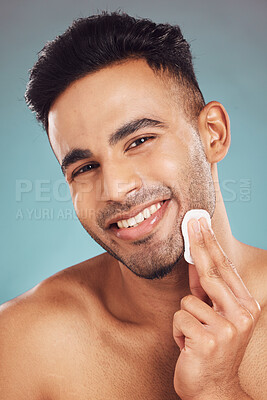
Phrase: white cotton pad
(196, 213)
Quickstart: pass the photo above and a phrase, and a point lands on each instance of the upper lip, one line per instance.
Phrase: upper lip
(131, 213)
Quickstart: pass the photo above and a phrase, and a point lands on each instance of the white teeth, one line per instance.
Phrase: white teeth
(135, 221)
(131, 221)
(139, 218)
(124, 223)
(146, 213)
(153, 209)
(120, 224)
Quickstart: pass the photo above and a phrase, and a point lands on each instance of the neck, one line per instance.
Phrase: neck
(154, 301)
(221, 226)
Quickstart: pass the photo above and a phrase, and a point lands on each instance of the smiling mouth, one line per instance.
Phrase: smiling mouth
(140, 217)
(141, 224)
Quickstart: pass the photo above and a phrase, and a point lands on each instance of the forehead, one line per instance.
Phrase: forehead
(94, 106)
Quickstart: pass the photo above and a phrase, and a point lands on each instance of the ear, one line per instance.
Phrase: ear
(214, 129)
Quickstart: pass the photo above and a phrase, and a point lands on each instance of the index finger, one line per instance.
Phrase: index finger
(195, 285)
(212, 262)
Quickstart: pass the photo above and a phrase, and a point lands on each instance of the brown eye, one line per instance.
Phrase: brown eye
(83, 169)
(139, 141)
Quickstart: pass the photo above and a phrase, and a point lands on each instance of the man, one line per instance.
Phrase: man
(139, 148)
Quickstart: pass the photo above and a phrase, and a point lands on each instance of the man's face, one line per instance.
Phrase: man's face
(143, 152)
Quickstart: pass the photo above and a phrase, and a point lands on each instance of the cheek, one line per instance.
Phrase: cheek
(169, 167)
(82, 197)
(85, 209)
(76, 199)
(172, 163)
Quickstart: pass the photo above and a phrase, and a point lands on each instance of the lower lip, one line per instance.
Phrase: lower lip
(142, 229)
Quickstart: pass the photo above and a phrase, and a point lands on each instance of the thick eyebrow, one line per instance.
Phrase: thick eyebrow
(133, 126)
(73, 156)
(77, 154)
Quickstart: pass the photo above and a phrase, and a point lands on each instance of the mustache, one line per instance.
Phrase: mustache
(144, 195)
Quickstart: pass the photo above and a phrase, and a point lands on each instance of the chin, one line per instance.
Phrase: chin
(158, 273)
(155, 262)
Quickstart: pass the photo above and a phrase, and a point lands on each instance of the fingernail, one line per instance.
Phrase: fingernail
(195, 225)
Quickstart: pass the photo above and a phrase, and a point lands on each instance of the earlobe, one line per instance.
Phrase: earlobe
(214, 128)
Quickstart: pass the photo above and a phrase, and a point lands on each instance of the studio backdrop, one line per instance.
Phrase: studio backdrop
(40, 232)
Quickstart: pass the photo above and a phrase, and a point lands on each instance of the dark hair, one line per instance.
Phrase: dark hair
(92, 43)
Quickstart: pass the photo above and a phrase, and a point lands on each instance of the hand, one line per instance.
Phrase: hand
(215, 323)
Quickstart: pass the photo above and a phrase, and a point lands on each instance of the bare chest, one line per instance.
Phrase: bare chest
(253, 369)
(113, 367)
(117, 370)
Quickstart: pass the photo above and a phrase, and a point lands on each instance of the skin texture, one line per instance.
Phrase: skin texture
(175, 152)
(99, 330)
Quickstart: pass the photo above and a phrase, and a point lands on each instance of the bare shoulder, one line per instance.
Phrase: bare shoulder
(39, 327)
(253, 370)
(255, 276)
(262, 275)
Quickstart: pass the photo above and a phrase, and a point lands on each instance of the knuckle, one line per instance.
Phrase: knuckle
(211, 237)
(213, 272)
(210, 345)
(226, 263)
(231, 265)
(229, 332)
(245, 321)
(200, 242)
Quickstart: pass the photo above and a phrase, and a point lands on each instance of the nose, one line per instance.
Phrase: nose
(118, 181)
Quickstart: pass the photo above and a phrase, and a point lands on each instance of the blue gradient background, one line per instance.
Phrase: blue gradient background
(228, 40)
